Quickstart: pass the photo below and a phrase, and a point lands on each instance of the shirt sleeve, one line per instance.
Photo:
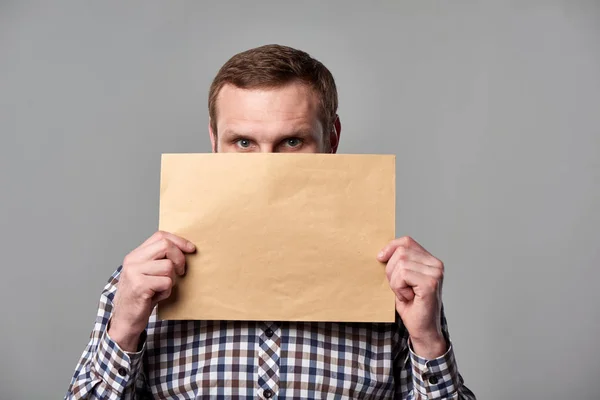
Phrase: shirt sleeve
(105, 371)
(436, 379)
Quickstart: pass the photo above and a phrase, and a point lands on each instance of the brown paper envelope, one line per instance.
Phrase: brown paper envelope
(280, 237)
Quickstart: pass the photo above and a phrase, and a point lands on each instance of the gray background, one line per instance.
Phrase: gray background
(492, 109)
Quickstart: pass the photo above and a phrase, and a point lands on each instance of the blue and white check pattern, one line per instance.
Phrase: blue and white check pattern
(261, 360)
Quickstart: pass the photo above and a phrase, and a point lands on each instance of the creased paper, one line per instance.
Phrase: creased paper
(280, 237)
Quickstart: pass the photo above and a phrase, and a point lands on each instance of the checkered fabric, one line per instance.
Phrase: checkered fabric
(261, 360)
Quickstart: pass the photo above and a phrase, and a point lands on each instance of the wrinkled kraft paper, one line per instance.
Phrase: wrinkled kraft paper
(280, 237)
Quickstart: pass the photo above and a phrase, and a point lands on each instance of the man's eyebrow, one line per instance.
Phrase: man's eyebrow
(228, 132)
(302, 133)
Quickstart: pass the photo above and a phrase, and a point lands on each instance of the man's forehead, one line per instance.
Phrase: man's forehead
(294, 94)
(293, 108)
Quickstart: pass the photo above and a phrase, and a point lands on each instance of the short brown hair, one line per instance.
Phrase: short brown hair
(273, 66)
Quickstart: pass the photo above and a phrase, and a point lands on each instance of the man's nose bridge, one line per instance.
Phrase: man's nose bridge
(267, 148)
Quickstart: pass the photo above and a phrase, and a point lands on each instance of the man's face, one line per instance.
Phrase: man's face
(278, 120)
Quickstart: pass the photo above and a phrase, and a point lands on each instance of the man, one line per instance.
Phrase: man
(269, 99)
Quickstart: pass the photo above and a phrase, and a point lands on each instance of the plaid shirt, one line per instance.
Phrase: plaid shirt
(261, 360)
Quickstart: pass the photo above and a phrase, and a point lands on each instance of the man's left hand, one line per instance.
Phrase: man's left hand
(416, 278)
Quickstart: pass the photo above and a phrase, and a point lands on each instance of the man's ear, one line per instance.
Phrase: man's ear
(334, 135)
(213, 137)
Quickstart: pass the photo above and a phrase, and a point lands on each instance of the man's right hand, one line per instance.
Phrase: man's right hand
(146, 278)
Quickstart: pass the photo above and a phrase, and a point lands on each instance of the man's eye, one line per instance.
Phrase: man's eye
(293, 142)
(243, 143)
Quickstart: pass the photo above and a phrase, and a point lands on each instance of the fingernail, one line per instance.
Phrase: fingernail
(381, 254)
(191, 246)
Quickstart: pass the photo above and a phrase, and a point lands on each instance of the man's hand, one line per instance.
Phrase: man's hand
(146, 278)
(416, 278)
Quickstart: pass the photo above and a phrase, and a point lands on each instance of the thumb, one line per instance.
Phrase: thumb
(405, 294)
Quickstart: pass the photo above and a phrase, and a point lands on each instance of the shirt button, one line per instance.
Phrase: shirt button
(122, 371)
(433, 380)
(269, 332)
(268, 393)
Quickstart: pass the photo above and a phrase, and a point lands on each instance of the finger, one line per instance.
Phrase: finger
(419, 283)
(160, 295)
(402, 256)
(183, 244)
(163, 248)
(420, 256)
(405, 241)
(393, 263)
(412, 249)
(385, 253)
(163, 296)
(424, 269)
(400, 260)
(401, 288)
(157, 284)
(164, 267)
